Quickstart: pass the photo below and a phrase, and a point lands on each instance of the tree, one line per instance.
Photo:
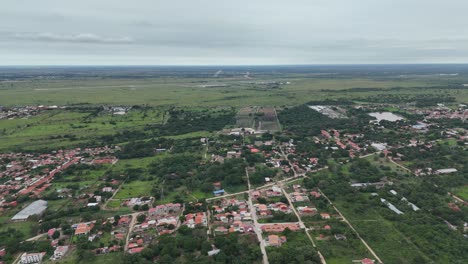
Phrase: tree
(56, 234)
(141, 218)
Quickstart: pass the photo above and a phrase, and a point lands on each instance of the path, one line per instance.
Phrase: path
(130, 229)
(112, 197)
(302, 225)
(257, 227)
(399, 165)
(36, 237)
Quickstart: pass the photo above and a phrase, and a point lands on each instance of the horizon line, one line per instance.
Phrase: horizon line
(226, 65)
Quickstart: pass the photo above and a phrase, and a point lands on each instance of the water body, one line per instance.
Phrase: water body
(388, 116)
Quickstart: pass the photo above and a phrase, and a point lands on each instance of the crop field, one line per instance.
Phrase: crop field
(245, 117)
(268, 119)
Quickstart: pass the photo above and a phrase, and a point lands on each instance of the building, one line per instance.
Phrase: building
(83, 229)
(278, 228)
(31, 258)
(59, 252)
(446, 171)
(276, 241)
(35, 208)
(165, 209)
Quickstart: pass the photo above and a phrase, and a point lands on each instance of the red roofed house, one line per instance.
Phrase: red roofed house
(135, 250)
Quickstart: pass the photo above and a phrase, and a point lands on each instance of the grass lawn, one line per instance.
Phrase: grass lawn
(462, 192)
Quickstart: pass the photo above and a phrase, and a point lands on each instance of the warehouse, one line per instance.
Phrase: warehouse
(36, 208)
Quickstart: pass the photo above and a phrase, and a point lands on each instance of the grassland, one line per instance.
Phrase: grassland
(187, 91)
(65, 128)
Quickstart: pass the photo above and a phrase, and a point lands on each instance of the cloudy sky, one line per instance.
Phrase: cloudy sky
(201, 32)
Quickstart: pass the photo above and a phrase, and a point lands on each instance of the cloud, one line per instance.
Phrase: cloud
(77, 38)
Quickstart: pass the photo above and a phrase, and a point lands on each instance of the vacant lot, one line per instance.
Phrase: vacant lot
(135, 189)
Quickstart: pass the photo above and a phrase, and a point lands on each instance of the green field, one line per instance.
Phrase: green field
(135, 189)
(187, 92)
(462, 192)
(66, 128)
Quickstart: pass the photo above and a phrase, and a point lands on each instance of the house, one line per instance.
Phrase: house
(192, 220)
(221, 230)
(30, 258)
(107, 189)
(340, 237)
(367, 261)
(315, 194)
(256, 194)
(278, 228)
(124, 221)
(165, 209)
(59, 252)
(51, 232)
(135, 250)
(325, 216)
(306, 210)
(276, 241)
(83, 228)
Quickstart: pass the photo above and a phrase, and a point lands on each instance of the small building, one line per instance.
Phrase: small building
(276, 241)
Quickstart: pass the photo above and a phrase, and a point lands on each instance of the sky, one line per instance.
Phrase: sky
(241, 32)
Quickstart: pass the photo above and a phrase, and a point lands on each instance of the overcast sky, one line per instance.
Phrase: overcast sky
(200, 32)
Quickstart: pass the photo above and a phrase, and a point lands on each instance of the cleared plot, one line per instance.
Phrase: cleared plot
(135, 189)
(342, 248)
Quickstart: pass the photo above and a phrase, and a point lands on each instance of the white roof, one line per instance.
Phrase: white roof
(446, 170)
(36, 207)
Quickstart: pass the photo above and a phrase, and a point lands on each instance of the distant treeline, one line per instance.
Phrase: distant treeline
(419, 100)
(304, 121)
